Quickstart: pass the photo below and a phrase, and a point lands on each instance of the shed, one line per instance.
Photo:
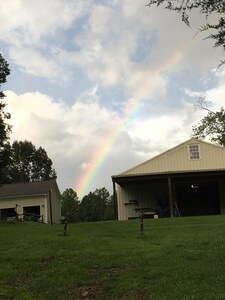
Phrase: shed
(40, 198)
(186, 180)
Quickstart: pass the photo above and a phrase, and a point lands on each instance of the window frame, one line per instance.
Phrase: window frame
(194, 154)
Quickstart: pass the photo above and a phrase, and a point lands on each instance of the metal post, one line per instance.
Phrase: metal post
(65, 225)
(170, 197)
(115, 201)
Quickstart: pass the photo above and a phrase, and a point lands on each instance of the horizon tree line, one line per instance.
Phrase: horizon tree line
(95, 206)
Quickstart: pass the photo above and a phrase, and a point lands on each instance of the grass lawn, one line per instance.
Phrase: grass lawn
(179, 258)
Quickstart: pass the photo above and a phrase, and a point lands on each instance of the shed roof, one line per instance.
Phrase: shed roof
(25, 189)
(177, 160)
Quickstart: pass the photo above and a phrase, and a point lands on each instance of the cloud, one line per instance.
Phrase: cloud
(140, 62)
(37, 64)
(163, 131)
(112, 39)
(103, 46)
(213, 95)
(27, 27)
(68, 134)
(32, 20)
(71, 135)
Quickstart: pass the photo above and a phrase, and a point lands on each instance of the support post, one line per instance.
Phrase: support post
(115, 201)
(65, 225)
(170, 197)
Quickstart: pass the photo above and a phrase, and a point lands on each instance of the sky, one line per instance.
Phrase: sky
(104, 85)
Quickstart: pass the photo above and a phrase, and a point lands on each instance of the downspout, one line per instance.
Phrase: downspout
(50, 205)
(115, 201)
(46, 209)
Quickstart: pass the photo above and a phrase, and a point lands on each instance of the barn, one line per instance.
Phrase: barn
(40, 200)
(186, 180)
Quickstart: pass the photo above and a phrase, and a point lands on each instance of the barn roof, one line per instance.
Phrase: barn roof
(25, 189)
(176, 160)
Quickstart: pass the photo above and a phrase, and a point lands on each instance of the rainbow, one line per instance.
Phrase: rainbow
(102, 151)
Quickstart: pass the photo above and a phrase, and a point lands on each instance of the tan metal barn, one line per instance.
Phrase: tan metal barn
(38, 199)
(186, 180)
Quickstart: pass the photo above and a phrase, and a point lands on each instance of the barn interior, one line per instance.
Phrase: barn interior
(180, 194)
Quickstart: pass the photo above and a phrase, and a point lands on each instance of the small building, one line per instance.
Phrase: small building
(40, 200)
(187, 180)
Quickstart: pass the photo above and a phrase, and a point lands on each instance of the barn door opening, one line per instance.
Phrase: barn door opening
(6, 213)
(31, 212)
(197, 199)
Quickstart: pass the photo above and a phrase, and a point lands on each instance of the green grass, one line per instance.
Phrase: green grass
(180, 258)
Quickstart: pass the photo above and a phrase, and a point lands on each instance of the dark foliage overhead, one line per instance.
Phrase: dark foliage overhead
(29, 163)
(206, 7)
(5, 128)
(212, 126)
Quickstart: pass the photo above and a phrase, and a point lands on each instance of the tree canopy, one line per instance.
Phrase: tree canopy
(5, 128)
(206, 7)
(212, 126)
(95, 206)
(29, 164)
(70, 205)
(4, 72)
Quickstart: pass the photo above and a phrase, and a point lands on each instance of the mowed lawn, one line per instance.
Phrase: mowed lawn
(179, 258)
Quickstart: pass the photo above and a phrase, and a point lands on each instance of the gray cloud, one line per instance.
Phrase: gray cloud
(114, 44)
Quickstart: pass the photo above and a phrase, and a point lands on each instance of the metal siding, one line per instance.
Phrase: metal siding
(211, 158)
(23, 202)
(177, 159)
(147, 194)
(10, 203)
(42, 200)
(122, 197)
(56, 206)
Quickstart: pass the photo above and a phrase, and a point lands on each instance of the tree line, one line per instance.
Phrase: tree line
(95, 206)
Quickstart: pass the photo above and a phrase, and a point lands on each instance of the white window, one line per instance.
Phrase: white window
(194, 151)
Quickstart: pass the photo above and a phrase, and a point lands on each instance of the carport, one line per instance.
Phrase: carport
(183, 194)
(174, 183)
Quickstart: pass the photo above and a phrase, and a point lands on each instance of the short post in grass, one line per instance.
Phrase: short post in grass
(65, 225)
(141, 224)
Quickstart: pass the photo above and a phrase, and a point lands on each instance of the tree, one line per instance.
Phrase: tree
(206, 7)
(212, 125)
(5, 128)
(5, 162)
(29, 164)
(20, 168)
(42, 166)
(110, 210)
(70, 205)
(93, 206)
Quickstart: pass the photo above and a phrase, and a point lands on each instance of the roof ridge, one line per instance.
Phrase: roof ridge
(169, 150)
